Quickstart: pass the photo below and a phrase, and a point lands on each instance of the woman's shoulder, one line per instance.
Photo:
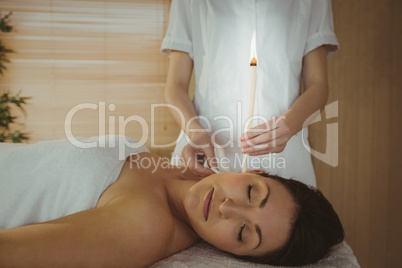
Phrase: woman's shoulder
(153, 227)
(143, 228)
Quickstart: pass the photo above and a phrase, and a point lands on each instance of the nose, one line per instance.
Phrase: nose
(229, 209)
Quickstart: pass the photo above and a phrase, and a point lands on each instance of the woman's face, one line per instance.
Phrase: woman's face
(241, 213)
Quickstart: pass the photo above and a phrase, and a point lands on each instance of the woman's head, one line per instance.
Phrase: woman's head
(244, 214)
(263, 218)
(316, 228)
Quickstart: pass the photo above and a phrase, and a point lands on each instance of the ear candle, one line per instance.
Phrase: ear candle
(251, 94)
(251, 98)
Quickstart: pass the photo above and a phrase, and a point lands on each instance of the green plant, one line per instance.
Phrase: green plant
(5, 28)
(7, 119)
(7, 100)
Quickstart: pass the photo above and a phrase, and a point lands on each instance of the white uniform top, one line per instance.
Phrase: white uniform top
(51, 179)
(217, 36)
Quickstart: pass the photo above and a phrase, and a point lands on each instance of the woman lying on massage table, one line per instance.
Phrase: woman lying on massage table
(152, 210)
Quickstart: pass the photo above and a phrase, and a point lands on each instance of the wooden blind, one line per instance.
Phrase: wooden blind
(104, 53)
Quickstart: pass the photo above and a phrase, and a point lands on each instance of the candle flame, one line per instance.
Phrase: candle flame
(253, 54)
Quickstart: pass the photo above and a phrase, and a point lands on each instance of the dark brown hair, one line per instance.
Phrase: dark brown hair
(316, 228)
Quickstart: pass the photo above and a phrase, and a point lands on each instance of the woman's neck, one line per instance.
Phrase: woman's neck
(178, 185)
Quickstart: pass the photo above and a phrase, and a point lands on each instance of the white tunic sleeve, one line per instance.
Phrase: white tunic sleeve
(178, 36)
(321, 28)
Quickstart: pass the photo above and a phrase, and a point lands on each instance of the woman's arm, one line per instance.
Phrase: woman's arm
(273, 135)
(316, 90)
(176, 94)
(176, 91)
(111, 236)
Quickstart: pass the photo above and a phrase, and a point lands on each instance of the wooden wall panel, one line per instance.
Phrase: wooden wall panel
(394, 230)
(365, 78)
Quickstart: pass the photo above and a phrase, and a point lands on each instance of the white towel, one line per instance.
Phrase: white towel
(51, 179)
(203, 255)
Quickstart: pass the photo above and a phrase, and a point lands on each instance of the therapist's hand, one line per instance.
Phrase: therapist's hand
(269, 137)
(196, 152)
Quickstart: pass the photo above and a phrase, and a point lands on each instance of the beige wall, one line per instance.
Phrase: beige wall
(365, 77)
(71, 52)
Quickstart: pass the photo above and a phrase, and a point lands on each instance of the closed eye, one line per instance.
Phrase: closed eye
(249, 191)
(240, 235)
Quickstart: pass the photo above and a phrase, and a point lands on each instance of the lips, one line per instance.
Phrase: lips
(207, 204)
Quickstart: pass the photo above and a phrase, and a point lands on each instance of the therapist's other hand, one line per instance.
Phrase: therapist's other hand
(196, 152)
(269, 137)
